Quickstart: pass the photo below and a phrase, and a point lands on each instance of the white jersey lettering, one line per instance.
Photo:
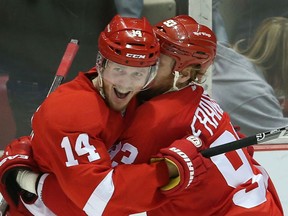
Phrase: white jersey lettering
(208, 114)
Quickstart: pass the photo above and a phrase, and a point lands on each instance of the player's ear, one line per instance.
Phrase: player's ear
(185, 75)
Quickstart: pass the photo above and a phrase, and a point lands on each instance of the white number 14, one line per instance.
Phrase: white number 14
(82, 147)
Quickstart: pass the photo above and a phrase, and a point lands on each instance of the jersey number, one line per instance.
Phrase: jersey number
(125, 148)
(82, 147)
(237, 173)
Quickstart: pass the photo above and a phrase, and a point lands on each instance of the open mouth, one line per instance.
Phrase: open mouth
(120, 94)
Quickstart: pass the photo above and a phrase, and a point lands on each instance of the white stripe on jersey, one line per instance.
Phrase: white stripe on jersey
(98, 200)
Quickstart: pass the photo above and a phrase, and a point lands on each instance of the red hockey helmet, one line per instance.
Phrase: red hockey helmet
(129, 41)
(188, 42)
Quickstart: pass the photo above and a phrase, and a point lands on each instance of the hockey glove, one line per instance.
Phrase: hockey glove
(17, 156)
(184, 154)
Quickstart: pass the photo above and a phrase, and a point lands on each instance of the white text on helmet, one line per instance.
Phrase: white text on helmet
(131, 55)
(137, 33)
(202, 33)
(170, 23)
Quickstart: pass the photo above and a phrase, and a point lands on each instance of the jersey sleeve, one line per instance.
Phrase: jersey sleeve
(98, 189)
(52, 196)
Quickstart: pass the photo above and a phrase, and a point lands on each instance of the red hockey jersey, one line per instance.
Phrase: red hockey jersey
(73, 130)
(233, 185)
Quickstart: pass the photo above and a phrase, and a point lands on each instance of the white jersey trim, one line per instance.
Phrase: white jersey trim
(100, 197)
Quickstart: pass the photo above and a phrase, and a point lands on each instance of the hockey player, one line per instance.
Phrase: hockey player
(230, 184)
(76, 121)
(234, 184)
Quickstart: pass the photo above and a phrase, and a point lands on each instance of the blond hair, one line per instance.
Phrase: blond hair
(268, 49)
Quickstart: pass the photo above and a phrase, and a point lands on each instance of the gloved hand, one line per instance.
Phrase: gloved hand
(185, 155)
(17, 155)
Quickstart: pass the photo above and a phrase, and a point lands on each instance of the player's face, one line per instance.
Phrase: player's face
(163, 80)
(122, 82)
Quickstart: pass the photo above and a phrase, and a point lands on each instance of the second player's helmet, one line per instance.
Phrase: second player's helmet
(188, 42)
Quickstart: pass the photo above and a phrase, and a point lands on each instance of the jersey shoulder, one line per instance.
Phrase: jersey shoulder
(175, 102)
(74, 103)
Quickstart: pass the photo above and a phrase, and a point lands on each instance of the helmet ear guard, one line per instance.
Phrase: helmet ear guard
(101, 63)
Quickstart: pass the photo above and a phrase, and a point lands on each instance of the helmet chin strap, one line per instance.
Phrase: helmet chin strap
(101, 63)
(98, 83)
(176, 77)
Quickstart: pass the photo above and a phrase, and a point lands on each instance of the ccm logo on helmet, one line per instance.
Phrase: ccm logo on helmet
(136, 56)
